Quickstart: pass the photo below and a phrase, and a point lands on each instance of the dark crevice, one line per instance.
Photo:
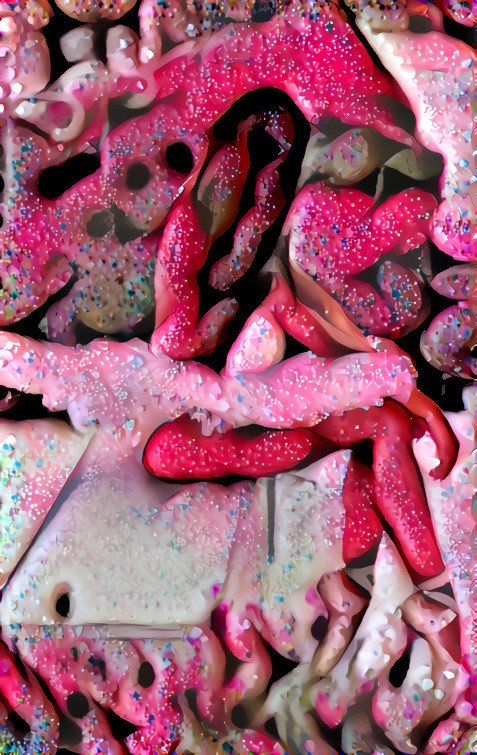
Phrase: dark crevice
(351, 16)
(271, 729)
(398, 671)
(332, 736)
(368, 184)
(261, 13)
(443, 388)
(191, 698)
(365, 560)
(30, 406)
(281, 666)
(363, 452)
(394, 182)
(56, 179)
(217, 624)
(120, 728)
(58, 25)
(101, 29)
(467, 34)
(18, 722)
(251, 289)
(99, 666)
(419, 24)
(422, 733)
(20, 666)
(446, 589)
(69, 733)
(119, 113)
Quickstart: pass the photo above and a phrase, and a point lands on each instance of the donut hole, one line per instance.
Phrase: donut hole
(319, 627)
(239, 717)
(100, 223)
(179, 157)
(63, 602)
(146, 675)
(138, 176)
(77, 705)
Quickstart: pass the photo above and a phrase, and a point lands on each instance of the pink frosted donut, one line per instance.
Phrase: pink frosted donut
(95, 10)
(451, 337)
(140, 183)
(335, 234)
(25, 58)
(448, 342)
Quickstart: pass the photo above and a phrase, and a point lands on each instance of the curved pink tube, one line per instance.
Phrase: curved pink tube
(399, 494)
(335, 234)
(179, 450)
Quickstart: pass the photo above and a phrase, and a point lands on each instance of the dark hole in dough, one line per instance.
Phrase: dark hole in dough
(399, 669)
(239, 716)
(138, 176)
(77, 705)
(100, 224)
(261, 13)
(319, 627)
(120, 728)
(281, 666)
(363, 451)
(270, 727)
(18, 722)
(179, 157)
(146, 675)
(55, 180)
(62, 605)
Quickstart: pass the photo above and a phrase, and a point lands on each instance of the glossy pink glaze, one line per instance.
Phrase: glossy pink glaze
(59, 227)
(335, 234)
